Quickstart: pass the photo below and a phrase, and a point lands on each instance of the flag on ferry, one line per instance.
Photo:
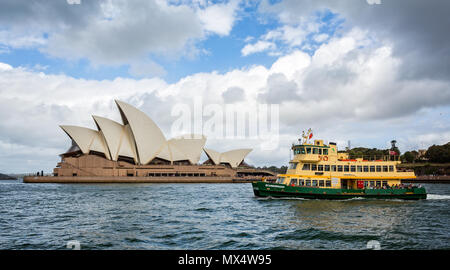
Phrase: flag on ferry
(310, 135)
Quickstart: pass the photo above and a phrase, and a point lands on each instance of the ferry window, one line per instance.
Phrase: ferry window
(384, 183)
(328, 183)
(327, 168)
(292, 166)
(353, 168)
(313, 167)
(372, 168)
(385, 168)
(306, 167)
(359, 168)
(333, 168)
(315, 150)
(339, 168)
(301, 182)
(308, 183)
(293, 182)
(320, 151)
(320, 168)
(302, 150)
(325, 151)
(372, 183)
(366, 184)
(308, 150)
(280, 180)
(314, 183)
(366, 168)
(346, 168)
(378, 183)
(391, 168)
(321, 183)
(378, 168)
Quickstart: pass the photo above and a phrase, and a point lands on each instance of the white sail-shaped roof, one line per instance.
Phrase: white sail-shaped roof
(141, 139)
(117, 138)
(213, 155)
(87, 139)
(190, 145)
(128, 145)
(174, 151)
(233, 157)
(165, 153)
(147, 136)
(177, 154)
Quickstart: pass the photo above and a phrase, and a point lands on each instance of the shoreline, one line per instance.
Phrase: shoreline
(424, 179)
(208, 179)
(132, 179)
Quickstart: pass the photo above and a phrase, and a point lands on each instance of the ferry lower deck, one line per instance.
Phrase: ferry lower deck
(266, 189)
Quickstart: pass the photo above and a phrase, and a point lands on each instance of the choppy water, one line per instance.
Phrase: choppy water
(211, 216)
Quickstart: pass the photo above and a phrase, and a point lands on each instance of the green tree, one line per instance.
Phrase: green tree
(409, 156)
(439, 153)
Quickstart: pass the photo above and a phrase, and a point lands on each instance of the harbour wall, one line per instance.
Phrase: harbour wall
(432, 179)
(133, 179)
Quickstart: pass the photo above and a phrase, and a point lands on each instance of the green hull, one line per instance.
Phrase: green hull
(264, 189)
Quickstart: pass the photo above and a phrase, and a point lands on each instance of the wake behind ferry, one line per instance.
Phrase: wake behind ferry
(319, 171)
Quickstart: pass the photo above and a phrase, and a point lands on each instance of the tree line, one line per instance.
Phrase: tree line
(434, 154)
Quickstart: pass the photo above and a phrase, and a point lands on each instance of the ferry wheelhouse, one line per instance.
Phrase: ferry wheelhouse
(319, 171)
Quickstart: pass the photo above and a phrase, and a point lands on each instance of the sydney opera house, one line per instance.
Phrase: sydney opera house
(137, 151)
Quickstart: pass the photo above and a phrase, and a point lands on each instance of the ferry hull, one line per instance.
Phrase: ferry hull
(264, 189)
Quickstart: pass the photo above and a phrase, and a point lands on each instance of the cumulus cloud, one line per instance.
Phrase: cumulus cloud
(259, 46)
(219, 18)
(233, 94)
(136, 29)
(113, 32)
(369, 83)
(344, 91)
(414, 27)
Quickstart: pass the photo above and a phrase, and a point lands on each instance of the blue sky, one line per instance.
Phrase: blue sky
(216, 52)
(348, 69)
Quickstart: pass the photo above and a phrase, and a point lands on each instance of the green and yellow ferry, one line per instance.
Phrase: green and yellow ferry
(319, 171)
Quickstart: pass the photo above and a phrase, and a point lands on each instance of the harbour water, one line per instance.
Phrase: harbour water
(211, 216)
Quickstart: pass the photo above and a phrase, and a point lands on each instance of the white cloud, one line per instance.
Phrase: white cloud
(4, 66)
(259, 46)
(114, 32)
(146, 68)
(321, 37)
(290, 64)
(219, 18)
(343, 91)
(288, 37)
(21, 40)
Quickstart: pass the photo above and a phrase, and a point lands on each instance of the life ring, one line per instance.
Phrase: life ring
(325, 158)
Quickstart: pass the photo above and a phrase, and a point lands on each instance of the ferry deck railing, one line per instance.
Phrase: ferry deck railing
(376, 157)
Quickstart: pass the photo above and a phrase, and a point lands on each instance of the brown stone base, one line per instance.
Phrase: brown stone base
(131, 179)
(438, 179)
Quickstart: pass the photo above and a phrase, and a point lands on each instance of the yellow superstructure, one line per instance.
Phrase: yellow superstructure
(319, 165)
